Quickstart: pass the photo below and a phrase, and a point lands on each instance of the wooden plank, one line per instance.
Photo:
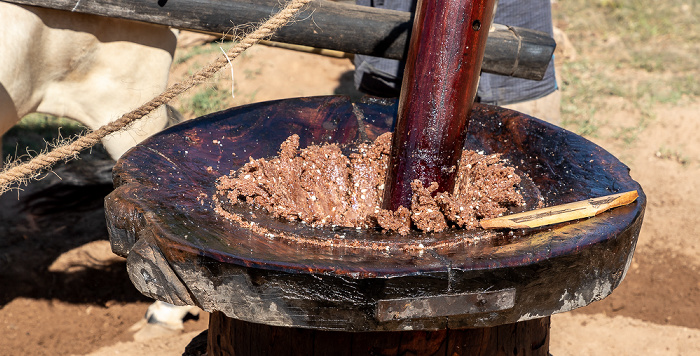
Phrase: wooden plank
(445, 305)
(323, 24)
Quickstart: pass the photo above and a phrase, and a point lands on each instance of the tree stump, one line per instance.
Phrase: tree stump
(236, 337)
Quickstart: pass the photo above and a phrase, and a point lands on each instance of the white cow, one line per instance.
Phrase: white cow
(88, 68)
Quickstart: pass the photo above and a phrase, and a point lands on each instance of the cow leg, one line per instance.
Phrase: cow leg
(8, 117)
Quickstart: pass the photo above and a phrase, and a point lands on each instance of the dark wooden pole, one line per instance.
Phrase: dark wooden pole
(511, 50)
(439, 85)
(228, 336)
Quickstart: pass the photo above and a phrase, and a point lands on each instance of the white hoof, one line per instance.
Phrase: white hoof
(168, 315)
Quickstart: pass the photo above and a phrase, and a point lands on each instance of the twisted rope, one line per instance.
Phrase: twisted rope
(31, 169)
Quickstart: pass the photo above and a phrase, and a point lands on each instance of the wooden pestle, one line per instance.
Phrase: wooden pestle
(438, 90)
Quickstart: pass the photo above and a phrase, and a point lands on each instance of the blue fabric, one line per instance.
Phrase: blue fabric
(382, 77)
(502, 90)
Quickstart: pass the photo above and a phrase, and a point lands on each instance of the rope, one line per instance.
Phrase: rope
(29, 170)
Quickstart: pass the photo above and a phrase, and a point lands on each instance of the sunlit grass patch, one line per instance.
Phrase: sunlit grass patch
(206, 100)
(34, 131)
(643, 51)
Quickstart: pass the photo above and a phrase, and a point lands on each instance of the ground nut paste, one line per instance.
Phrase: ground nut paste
(321, 186)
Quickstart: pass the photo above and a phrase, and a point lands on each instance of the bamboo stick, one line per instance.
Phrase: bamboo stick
(308, 49)
(560, 213)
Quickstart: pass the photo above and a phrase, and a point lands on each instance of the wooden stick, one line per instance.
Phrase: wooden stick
(560, 213)
(308, 49)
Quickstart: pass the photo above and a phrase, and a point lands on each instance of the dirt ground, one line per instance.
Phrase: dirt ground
(62, 292)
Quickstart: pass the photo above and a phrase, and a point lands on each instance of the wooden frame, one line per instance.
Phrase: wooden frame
(354, 29)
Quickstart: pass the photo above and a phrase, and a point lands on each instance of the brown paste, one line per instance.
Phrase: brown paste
(321, 186)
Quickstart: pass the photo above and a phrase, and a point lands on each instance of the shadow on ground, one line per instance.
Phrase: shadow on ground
(46, 219)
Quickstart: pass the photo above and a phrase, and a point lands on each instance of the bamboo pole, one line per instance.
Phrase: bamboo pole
(560, 213)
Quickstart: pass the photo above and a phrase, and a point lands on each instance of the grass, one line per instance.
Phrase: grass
(645, 52)
(584, 84)
(212, 96)
(672, 154)
(34, 131)
(205, 101)
(184, 56)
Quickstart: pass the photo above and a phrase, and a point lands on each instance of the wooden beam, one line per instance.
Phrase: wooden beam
(323, 24)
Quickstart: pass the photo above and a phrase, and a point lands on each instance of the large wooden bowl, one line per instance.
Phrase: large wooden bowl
(162, 217)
